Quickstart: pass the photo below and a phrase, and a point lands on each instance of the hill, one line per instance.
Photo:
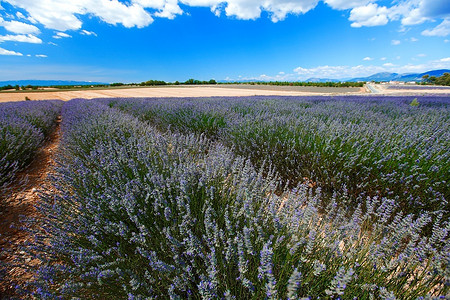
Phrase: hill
(48, 82)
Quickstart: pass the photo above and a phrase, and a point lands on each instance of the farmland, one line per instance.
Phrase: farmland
(262, 197)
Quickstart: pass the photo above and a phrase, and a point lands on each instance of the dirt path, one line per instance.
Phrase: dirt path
(21, 205)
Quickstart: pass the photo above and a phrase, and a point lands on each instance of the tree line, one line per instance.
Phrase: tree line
(441, 80)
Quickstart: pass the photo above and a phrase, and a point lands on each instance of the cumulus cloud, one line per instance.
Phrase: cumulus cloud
(29, 38)
(367, 58)
(19, 27)
(442, 29)
(339, 72)
(8, 52)
(369, 15)
(62, 15)
(65, 15)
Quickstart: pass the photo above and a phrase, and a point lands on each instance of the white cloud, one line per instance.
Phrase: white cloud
(383, 58)
(60, 35)
(367, 58)
(446, 41)
(346, 4)
(85, 32)
(369, 15)
(413, 39)
(41, 55)
(63, 15)
(412, 16)
(53, 44)
(421, 55)
(20, 15)
(395, 42)
(19, 27)
(8, 52)
(418, 11)
(339, 72)
(20, 38)
(442, 29)
(251, 9)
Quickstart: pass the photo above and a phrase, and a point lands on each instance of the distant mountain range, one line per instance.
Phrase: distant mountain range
(384, 76)
(375, 77)
(47, 82)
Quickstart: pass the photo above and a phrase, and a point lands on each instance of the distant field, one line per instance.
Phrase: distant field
(176, 91)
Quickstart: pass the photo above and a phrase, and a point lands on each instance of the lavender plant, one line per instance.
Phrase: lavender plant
(373, 145)
(144, 214)
(23, 128)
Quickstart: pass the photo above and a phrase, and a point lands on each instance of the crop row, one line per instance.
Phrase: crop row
(142, 214)
(366, 146)
(23, 128)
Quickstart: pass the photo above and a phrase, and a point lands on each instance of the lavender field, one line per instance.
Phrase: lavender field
(247, 198)
(23, 128)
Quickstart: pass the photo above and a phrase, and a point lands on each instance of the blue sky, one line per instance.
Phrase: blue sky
(139, 40)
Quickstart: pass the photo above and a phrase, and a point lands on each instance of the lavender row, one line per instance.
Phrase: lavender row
(23, 128)
(368, 145)
(140, 214)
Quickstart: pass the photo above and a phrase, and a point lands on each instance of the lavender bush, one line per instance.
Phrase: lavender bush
(141, 214)
(23, 128)
(379, 146)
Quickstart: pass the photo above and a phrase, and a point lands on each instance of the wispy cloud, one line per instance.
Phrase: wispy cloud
(367, 58)
(8, 52)
(29, 38)
(395, 42)
(19, 27)
(60, 35)
(41, 55)
(442, 29)
(85, 32)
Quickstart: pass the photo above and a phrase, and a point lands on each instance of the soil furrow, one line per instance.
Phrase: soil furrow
(19, 205)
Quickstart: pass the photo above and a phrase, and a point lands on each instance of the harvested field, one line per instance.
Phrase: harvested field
(183, 91)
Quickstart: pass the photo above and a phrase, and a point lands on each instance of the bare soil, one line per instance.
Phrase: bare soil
(204, 91)
(19, 206)
(178, 91)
